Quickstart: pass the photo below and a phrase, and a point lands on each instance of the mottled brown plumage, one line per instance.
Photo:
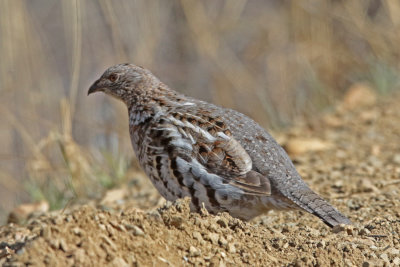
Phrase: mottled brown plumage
(218, 157)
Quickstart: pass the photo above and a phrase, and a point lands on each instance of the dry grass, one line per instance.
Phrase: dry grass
(273, 60)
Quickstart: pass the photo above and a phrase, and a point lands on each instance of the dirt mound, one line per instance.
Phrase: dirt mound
(359, 172)
(172, 235)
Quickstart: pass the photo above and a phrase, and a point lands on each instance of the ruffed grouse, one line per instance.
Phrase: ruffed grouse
(218, 157)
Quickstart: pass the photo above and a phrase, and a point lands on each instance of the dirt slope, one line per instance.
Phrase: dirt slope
(356, 166)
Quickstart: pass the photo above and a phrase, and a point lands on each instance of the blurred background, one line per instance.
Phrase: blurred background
(276, 61)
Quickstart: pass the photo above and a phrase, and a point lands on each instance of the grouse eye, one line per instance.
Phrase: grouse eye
(113, 77)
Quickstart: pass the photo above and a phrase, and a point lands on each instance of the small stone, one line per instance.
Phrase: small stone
(321, 244)
(183, 205)
(154, 214)
(69, 218)
(55, 243)
(101, 216)
(393, 251)
(338, 228)
(79, 255)
(231, 248)
(366, 186)
(364, 231)
(223, 241)
(222, 222)
(77, 231)
(175, 221)
(314, 232)
(197, 235)
(117, 226)
(193, 252)
(108, 241)
(102, 227)
(58, 220)
(111, 231)
(21, 251)
(384, 257)
(198, 221)
(137, 231)
(350, 230)
(396, 159)
(366, 264)
(119, 262)
(46, 233)
(213, 227)
(213, 237)
(63, 245)
(348, 263)
(366, 242)
(396, 261)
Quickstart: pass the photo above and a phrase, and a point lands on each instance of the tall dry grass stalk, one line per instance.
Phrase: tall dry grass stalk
(273, 60)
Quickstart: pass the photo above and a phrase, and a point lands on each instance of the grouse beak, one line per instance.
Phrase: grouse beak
(95, 87)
